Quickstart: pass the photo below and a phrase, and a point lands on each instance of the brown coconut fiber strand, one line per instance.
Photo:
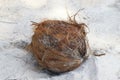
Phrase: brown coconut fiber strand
(59, 46)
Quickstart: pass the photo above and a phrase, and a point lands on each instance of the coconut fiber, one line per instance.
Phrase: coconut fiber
(59, 46)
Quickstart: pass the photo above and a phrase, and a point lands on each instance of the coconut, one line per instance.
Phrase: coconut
(59, 46)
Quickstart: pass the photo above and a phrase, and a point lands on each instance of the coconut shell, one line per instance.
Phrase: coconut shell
(59, 46)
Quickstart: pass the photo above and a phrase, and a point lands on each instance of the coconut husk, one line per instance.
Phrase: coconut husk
(59, 46)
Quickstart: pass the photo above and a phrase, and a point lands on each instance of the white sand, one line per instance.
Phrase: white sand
(103, 19)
